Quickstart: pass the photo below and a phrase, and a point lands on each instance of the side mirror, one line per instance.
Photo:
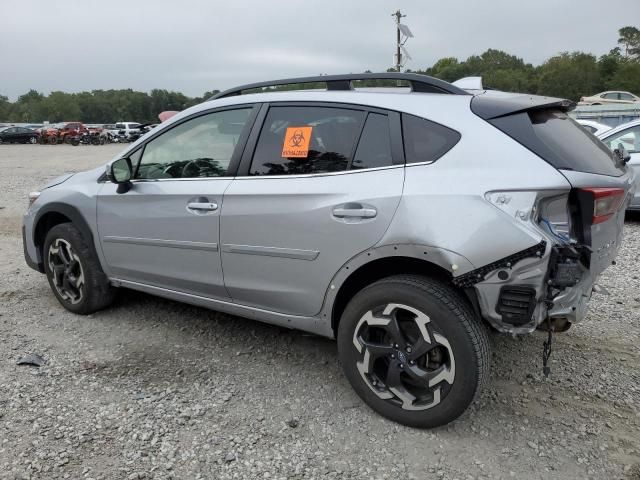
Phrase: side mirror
(120, 173)
(622, 153)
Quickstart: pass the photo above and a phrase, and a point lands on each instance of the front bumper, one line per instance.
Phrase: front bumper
(31, 253)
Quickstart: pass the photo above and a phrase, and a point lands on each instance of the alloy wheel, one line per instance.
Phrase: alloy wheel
(404, 360)
(66, 270)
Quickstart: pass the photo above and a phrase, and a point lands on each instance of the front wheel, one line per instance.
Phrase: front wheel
(33, 140)
(413, 350)
(74, 272)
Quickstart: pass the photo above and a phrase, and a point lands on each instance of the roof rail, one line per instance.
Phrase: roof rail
(419, 83)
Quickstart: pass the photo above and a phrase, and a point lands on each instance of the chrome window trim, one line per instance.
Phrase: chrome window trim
(194, 179)
(320, 174)
(264, 177)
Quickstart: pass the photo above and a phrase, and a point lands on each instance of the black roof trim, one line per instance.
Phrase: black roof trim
(489, 106)
(419, 83)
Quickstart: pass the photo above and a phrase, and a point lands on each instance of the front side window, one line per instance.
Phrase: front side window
(426, 141)
(629, 139)
(200, 147)
(612, 96)
(305, 140)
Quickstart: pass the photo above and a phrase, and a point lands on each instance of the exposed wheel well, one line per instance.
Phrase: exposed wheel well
(46, 223)
(381, 268)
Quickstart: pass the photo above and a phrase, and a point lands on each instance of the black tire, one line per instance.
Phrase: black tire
(454, 340)
(94, 292)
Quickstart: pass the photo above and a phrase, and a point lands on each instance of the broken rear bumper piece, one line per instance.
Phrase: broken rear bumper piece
(518, 293)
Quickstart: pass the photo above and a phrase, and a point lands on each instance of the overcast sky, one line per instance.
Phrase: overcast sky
(194, 46)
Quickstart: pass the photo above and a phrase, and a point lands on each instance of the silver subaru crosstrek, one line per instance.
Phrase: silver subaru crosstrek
(402, 221)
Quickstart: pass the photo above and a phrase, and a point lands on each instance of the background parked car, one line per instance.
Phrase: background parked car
(127, 128)
(627, 135)
(610, 97)
(594, 127)
(18, 135)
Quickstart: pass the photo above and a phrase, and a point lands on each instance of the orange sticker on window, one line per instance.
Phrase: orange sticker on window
(296, 142)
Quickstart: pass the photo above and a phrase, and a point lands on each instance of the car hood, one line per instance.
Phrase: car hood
(58, 180)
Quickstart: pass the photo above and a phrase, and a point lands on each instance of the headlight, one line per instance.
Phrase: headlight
(33, 196)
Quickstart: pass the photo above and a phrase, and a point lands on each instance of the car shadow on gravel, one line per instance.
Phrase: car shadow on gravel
(176, 335)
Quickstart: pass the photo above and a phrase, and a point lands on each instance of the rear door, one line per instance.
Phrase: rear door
(318, 184)
(165, 230)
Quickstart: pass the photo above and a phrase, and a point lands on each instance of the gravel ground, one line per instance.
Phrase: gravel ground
(157, 389)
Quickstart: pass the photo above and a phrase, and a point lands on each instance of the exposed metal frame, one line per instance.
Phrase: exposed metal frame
(418, 83)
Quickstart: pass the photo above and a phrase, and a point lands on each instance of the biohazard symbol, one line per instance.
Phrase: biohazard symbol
(296, 139)
(296, 142)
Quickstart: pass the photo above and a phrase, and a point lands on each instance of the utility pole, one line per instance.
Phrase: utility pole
(398, 16)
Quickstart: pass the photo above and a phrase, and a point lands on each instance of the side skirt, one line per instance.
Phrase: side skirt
(313, 325)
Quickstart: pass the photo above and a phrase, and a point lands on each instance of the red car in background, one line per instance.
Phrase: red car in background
(63, 132)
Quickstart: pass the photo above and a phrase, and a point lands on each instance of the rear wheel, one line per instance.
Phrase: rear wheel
(74, 271)
(33, 140)
(52, 140)
(413, 350)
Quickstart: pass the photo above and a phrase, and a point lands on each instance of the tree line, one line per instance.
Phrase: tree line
(566, 75)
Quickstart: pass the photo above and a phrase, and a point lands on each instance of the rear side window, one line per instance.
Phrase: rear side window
(426, 141)
(306, 140)
(374, 147)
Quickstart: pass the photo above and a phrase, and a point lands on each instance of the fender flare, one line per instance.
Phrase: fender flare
(452, 262)
(69, 211)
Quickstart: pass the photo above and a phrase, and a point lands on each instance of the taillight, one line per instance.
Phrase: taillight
(606, 202)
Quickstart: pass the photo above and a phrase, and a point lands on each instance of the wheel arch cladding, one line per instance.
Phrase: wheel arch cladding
(378, 269)
(54, 214)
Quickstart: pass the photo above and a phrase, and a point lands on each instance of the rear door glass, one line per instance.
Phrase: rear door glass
(306, 140)
(374, 147)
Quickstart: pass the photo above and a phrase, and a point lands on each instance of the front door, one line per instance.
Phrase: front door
(321, 187)
(165, 230)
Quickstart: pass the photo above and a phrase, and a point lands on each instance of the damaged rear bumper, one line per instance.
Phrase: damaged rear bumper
(547, 282)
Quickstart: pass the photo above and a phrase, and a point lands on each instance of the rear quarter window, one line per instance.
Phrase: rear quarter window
(426, 141)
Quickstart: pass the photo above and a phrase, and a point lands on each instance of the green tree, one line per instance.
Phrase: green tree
(630, 38)
(5, 108)
(569, 75)
(29, 108)
(627, 77)
(61, 106)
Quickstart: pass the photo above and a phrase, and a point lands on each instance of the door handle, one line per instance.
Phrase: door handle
(202, 206)
(360, 212)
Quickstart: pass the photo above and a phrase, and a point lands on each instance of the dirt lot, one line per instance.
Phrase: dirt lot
(157, 389)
